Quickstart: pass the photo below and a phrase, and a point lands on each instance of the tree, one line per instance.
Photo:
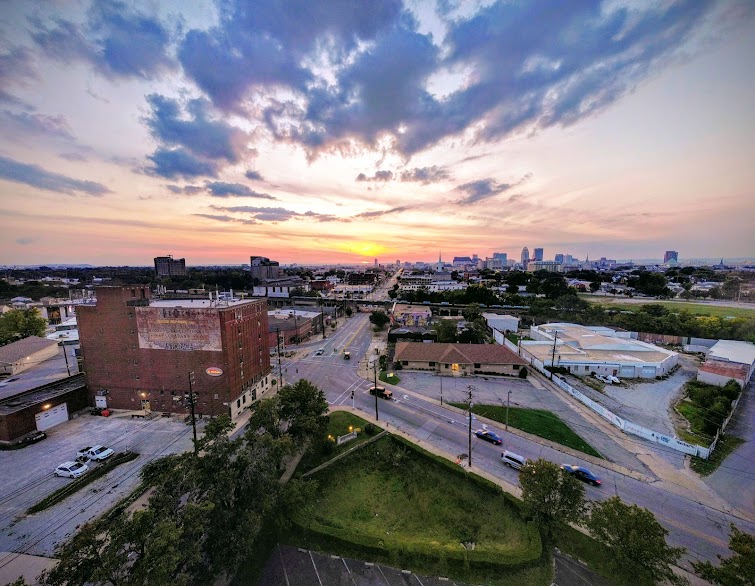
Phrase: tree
(348, 311)
(636, 540)
(21, 323)
(445, 330)
(594, 286)
(551, 495)
(736, 570)
(379, 319)
(305, 408)
(472, 312)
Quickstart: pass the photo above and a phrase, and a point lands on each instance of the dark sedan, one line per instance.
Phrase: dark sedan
(582, 474)
(489, 436)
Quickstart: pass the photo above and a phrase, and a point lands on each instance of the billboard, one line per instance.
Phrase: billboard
(178, 328)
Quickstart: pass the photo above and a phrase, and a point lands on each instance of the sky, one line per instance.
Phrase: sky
(341, 131)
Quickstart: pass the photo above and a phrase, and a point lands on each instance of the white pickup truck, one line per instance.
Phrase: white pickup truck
(94, 453)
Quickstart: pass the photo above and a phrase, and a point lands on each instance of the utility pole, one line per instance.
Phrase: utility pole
(280, 368)
(191, 400)
(441, 383)
(553, 354)
(374, 370)
(65, 355)
(322, 322)
(469, 403)
(508, 402)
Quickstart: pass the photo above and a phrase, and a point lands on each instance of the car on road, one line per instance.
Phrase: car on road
(96, 453)
(581, 473)
(347, 355)
(489, 436)
(71, 469)
(320, 352)
(381, 392)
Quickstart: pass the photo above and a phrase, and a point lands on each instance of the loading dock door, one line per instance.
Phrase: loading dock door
(52, 417)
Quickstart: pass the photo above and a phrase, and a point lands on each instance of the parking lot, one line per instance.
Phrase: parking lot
(28, 476)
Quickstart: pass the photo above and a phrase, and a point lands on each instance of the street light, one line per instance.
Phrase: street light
(508, 402)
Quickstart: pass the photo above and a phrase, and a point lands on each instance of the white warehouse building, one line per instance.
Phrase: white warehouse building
(584, 350)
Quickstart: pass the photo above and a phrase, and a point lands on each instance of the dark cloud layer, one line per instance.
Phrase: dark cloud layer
(115, 40)
(423, 175)
(179, 163)
(264, 214)
(38, 177)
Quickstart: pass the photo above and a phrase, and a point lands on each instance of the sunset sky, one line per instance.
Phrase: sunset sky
(347, 130)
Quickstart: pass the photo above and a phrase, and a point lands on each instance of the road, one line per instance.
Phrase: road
(699, 527)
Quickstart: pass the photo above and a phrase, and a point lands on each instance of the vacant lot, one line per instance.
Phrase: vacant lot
(691, 307)
(388, 502)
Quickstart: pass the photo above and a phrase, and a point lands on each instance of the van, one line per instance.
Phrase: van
(513, 460)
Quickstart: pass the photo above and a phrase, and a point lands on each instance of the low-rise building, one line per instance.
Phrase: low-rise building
(458, 359)
(596, 350)
(18, 356)
(410, 315)
(726, 360)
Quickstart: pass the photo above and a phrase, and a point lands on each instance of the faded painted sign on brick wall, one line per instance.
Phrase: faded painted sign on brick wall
(178, 328)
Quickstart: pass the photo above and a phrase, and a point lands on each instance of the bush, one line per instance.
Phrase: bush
(370, 429)
(397, 365)
(523, 372)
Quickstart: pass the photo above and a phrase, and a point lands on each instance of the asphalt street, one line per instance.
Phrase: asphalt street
(699, 527)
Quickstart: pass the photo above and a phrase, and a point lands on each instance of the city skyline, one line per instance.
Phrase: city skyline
(611, 129)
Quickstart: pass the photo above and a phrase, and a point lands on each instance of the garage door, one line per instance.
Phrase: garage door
(52, 417)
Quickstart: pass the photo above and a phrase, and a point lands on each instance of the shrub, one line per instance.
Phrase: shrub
(370, 429)
(523, 372)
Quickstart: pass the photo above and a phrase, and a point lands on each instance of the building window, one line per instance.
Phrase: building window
(243, 398)
(431, 364)
(516, 367)
(238, 403)
(477, 365)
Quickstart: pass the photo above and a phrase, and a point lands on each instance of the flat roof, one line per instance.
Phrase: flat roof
(566, 353)
(31, 397)
(199, 303)
(733, 351)
(23, 348)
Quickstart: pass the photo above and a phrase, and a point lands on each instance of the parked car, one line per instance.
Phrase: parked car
(35, 437)
(71, 469)
(96, 453)
(582, 474)
(614, 379)
(381, 392)
(489, 436)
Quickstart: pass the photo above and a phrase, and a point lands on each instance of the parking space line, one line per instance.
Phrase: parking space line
(283, 565)
(314, 565)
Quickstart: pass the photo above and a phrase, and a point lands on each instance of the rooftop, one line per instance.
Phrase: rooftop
(199, 303)
(733, 351)
(456, 353)
(19, 350)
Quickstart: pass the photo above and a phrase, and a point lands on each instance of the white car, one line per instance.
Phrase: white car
(71, 469)
(614, 379)
(95, 453)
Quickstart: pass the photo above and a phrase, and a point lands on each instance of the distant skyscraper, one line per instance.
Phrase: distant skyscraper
(166, 266)
(559, 258)
(525, 257)
(538, 254)
(671, 256)
(502, 256)
(376, 262)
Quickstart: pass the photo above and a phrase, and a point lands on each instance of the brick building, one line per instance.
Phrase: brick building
(138, 351)
(167, 266)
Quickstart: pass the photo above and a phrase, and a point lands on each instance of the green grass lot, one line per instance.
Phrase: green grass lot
(537, 422)
(383, 376)
(726, 445)
(691, 307)
(393, 503)
(695, 415)
(339, 423)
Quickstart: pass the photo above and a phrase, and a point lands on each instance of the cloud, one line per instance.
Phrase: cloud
(222, 189)
(188, 189)
(175, 163)
(361, 76)
(115, 40)
(221, 218)
(36, 176)
(24, 123)
(16, 70)
(486, 188)
(24, 241)
(263, 214)
(426, 175)
(377, 214)
(253, 175)
(72, 156)
(265, 44)
(197, 133)
(378, 176)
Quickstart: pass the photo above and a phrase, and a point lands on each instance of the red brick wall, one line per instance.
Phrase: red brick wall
(114, 361)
